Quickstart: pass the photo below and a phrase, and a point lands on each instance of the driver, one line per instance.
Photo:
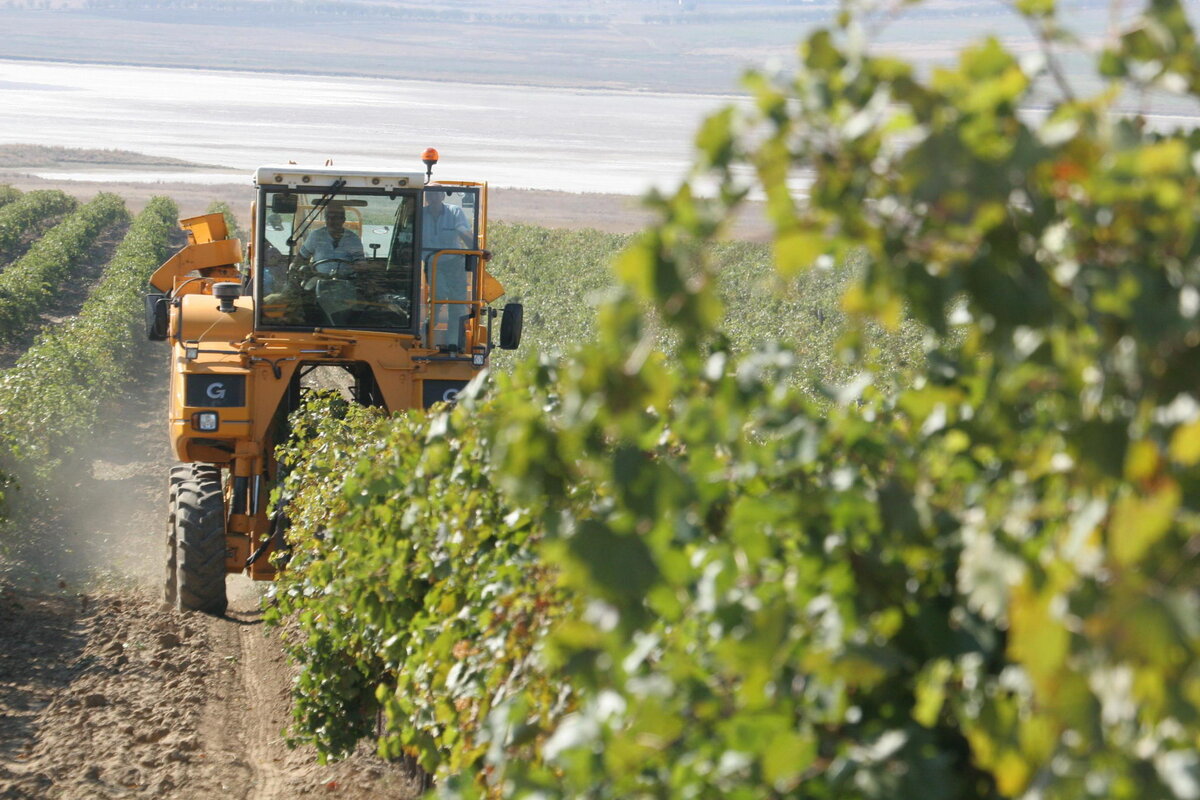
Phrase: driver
(335, 256)
(326, 248)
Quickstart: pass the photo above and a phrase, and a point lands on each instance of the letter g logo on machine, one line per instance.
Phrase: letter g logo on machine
(440, 391)
(216, 391)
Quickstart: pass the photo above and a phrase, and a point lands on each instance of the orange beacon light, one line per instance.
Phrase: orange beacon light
(429, 158)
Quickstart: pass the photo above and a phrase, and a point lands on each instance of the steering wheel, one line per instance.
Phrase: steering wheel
(337, 273)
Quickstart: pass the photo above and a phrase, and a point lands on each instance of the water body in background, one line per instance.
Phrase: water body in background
(512, 136)
(530, 137)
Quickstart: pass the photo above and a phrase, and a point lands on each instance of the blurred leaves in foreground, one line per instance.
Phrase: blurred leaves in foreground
(658, 568)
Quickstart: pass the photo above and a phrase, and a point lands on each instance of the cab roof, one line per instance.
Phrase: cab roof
(294, 176)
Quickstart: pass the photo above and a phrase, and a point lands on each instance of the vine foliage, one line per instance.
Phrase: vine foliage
(27, 284)
(56, 393)
(976, 580)
(23, 216)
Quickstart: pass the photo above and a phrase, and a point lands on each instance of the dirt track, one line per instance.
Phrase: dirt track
(107, 693)
(112, 695)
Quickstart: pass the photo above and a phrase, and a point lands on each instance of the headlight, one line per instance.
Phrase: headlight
(205, 420)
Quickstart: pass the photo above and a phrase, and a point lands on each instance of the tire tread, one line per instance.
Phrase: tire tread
(199, 531)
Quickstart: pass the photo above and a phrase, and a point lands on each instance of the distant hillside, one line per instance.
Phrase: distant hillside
(681, 45)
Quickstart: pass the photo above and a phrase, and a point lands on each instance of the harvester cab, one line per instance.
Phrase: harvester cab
(380, 277)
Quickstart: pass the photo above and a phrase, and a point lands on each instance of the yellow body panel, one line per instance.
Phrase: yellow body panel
(207, 256)
(205, 228)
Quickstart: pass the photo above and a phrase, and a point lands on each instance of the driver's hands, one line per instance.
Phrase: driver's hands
(301, 269)
(334, 268)
(330, 268)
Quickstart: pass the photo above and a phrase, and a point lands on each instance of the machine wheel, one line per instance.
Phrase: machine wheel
(199, 532)
(170, 586)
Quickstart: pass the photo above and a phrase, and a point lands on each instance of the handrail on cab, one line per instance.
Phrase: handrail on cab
(433, 302)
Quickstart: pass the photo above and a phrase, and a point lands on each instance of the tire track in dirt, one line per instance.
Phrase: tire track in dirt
(263, 737)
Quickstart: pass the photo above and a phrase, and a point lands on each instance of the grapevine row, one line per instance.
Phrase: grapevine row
(29, 283)
(459, 602)
(490, 561)
(56, 391)
(26, 215)
(8, 194)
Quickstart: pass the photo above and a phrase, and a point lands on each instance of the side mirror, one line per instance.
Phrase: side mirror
(510, 326)
(157, 306)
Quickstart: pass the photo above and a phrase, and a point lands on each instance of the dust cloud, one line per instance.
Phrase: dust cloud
(100, 518)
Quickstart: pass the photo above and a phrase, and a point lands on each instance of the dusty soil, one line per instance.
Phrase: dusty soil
(105, 692)
(110, 694)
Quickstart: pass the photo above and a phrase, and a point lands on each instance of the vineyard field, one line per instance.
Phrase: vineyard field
(901, 505)
(58, 388)
(24, 218)
(70, 401)
(562, 276)
(30, 283)
(8, 194)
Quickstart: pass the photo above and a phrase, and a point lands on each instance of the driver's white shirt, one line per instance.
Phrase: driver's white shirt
(318, 246)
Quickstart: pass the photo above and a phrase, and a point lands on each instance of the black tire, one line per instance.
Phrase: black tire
(511, 323)
(199, 527)
(170, 584)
